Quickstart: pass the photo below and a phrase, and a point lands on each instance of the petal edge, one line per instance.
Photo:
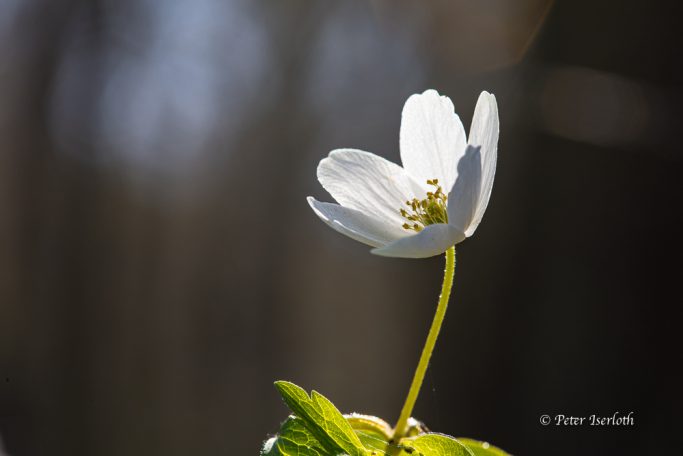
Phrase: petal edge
(484, 132)
(355, 224)
(431, 241)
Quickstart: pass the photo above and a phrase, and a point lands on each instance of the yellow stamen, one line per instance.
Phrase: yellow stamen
(427, 211)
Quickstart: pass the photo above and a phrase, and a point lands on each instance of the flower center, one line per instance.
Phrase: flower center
(428, 211)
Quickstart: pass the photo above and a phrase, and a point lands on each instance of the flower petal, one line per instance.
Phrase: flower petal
(484, 132)
(432, 138)
(432, 240)
(463, 198)
(368, 183)
(356, 225)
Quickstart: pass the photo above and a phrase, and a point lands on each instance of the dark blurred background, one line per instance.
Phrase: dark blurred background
(159, 266)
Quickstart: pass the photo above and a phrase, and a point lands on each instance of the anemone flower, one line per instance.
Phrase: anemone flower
(436, 200)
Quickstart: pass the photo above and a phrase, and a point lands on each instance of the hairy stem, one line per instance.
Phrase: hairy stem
(401, 425)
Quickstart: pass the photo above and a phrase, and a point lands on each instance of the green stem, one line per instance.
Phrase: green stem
(401, 425)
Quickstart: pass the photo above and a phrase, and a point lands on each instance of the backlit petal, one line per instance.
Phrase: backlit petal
(356, 225)
(368, 183)
(463, 198)
(484, 133)
(432, 138)
(431, 241)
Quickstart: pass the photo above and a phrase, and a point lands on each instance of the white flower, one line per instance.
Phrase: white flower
(404, 212)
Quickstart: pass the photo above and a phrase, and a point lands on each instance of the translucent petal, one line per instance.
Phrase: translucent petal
(431, 241)
(463, 198)
(356, 225)
(432, 138)
(367, 183)
(484, 133)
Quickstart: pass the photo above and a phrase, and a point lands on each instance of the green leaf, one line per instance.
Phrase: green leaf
(374, 433)
(434, 445)
(482, 448)
(317, 428)
(372, 442)
(370, 425)
(322, 419)
(294, 439)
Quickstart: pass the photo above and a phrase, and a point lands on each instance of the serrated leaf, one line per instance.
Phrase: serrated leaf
(322, 419)
(434, 445)
(482, 448)
(294, 439)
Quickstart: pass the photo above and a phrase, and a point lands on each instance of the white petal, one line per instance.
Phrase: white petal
(368, 183)
(356, 225)
(432, 138)
(484, 133)
(432, 240)
(463, 198)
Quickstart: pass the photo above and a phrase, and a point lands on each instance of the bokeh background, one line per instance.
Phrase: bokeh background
(159, 266)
